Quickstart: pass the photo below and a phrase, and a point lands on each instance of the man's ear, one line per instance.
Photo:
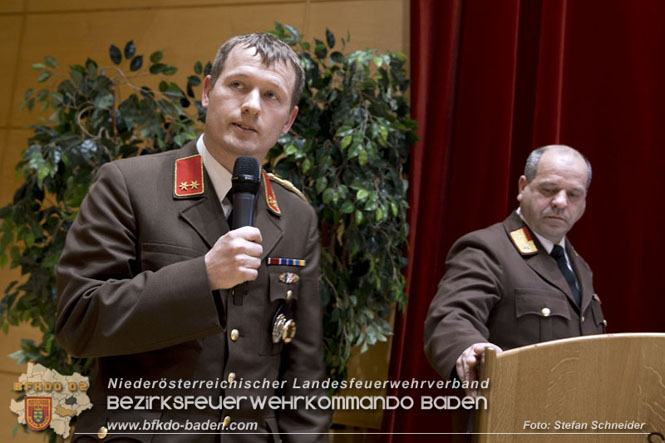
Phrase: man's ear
(289, 122)
(205, 94)
(521, 184)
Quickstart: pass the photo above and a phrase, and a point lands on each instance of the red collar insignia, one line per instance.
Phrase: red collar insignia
(188, 177)
(271, 201)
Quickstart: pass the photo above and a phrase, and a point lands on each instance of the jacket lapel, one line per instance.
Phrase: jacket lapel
(547, 268)
(541, 262)
(268, 223)
(202, 212)
(583, 278)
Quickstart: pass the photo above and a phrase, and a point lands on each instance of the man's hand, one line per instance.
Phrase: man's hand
(467, 362)
(235, 258)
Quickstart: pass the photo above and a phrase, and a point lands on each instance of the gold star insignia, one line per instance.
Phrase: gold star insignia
(184, 186)
(194, 184)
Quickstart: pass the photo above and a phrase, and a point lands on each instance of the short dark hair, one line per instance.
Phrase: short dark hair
(531, 166)
(271, 49)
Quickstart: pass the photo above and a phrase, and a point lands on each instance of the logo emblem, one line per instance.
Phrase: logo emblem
(38, 412)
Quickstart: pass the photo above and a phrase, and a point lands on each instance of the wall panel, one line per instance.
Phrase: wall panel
(10, 32)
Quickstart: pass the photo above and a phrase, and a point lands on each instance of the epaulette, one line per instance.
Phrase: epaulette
(287, 185)
(523, 242)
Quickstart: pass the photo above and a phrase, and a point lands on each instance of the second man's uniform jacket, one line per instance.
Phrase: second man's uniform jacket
(501, 286)
(134, 294)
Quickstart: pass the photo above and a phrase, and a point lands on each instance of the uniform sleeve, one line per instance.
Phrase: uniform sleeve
(303, 357)
(458, 314)
(106, 305)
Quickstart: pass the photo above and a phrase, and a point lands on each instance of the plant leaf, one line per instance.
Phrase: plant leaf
(115, 54)
(51, 62)
(156, 56)
(136, 63)
(44, 76)
(130, 50)
(330, 38)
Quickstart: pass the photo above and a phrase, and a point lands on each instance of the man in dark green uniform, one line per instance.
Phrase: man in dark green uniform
(145, 278)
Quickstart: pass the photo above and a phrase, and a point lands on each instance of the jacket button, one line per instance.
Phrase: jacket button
(235, 334)
(227, 421)
(605, 323)
(546, 312)
(289, 294)
(582, 319)
(231, 377)
(102, 433)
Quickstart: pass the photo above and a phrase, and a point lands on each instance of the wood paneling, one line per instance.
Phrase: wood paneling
(10, 32)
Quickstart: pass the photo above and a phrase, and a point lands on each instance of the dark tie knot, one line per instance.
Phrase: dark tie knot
(557, 252)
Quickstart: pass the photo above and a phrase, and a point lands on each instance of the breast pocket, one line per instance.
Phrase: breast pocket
(542, 314)
(284, 289)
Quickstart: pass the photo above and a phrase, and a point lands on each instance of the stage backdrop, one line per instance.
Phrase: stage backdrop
(493, 80)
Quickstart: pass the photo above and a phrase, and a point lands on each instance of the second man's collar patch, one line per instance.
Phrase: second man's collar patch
(523, 242)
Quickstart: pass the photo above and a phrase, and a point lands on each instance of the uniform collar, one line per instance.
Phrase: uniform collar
(546, 243)
(219, 175)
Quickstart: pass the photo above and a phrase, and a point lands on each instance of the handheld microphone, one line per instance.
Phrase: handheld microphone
(245, 184)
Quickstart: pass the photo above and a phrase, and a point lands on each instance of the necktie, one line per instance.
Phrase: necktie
(229, 197)
(558, 254)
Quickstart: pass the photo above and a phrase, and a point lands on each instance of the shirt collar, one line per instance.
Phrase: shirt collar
(219, 175)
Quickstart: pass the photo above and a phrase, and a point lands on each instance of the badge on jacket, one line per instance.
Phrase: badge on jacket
(188, 177)
(286, 261)
(523, 242)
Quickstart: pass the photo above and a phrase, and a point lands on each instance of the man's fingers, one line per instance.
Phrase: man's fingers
(459, 366)
(249, 233)
(253, 249)
(249, 274)
(466, 364)
(250, 262)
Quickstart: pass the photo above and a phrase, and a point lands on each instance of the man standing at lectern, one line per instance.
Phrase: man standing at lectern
(518, 282)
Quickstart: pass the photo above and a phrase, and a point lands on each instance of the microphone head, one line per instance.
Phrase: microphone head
(246, 175)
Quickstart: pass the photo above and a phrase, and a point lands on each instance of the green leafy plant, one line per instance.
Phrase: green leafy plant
(98, 114)
(347, 151)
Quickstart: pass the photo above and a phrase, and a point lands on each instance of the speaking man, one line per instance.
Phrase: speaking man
(173, 304)
(518, 282)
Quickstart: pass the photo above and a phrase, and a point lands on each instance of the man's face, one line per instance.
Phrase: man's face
(249, 106)
(556, 197)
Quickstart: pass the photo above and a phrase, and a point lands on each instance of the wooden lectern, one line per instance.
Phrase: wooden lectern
(583, 389)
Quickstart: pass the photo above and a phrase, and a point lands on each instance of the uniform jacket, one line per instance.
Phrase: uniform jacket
(492, 292)
(134, 295)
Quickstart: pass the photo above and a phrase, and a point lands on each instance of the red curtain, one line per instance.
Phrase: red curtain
(493, 80)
